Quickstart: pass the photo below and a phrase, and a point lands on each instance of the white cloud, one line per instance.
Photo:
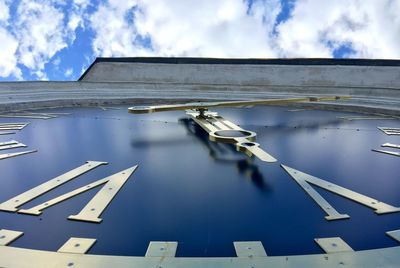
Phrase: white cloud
(208, 28)
(8, 59)
(226, 28)
(39, 29)
(36, 32)
(69, 72)
(77, 17)
(4, 11)
(75, 21)
(82, 3)
(185, 28)
(114, 35)
(8, 45)
(56, 62)
(371, 28)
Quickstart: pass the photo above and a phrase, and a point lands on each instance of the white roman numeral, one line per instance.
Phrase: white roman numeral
(93, 209)
(304, 179)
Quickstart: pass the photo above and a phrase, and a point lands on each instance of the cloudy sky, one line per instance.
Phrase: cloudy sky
(57, 39)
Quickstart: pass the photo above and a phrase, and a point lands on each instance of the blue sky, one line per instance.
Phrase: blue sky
(58, 40)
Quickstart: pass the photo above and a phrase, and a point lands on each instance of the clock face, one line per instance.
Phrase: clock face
(205, 195)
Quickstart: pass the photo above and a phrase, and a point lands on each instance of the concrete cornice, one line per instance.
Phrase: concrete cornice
(373, 84)
(246, 61)
(33, 95)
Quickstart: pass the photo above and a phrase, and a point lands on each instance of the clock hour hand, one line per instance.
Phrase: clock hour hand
(221, 130)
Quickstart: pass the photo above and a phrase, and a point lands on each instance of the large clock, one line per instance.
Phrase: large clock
(299, 179)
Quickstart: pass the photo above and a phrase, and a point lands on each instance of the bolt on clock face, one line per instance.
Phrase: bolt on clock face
(204, 193)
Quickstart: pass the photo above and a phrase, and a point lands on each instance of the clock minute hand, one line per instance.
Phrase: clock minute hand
(205, 105)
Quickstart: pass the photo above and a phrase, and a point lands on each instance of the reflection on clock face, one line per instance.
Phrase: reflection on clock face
(204, 194)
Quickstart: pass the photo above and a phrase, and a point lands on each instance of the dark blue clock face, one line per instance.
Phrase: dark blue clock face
(203, 194)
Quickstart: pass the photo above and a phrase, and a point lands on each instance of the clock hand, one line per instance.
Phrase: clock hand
(246, 103)
(222, 130)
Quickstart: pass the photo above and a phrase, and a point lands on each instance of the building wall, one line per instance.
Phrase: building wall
(252, 75)
(373, 88)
